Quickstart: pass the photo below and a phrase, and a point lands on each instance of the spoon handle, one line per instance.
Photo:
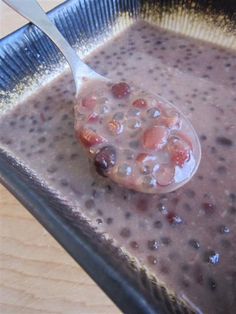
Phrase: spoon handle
(33, 12)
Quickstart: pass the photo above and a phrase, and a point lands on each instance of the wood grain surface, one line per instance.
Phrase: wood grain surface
(36, 274)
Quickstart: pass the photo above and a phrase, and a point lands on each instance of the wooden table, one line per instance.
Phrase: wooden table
(36, 274)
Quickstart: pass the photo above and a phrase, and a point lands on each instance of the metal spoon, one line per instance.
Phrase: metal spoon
(106, 144)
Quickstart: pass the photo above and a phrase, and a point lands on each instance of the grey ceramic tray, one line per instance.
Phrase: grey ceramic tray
(25, 61)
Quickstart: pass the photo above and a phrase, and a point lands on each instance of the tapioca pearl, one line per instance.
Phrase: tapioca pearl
(157, 224)
(232, 210)
(203, 137)
(209, 208)
(89, 204)
(212, 284)
(173, 218)
(52, 169)
(152, 259)
(124, 170)
(198, 274)
(134, 123)
(184, 282)
(166, 241)
(59, 157)
(125, 232)
(164, 268)
(153, 113)
(99, 221)
(129, 154)
(195, 244)
(134, 144)
(99, 212)
(109, 220)
(222, 229)
(42, 139)
(133, 112)
(189, 193)
(149, 181)
(224, 141)
(153, 245)
(64, 183)
(134, 245)
(211, 257)
(185, 268)
(226, 244)
(165, 175)
(221, 170)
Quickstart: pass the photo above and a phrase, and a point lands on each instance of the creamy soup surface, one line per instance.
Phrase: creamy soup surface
(187, 238)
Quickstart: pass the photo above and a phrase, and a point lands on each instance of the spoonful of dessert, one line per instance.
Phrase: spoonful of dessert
(132, 136)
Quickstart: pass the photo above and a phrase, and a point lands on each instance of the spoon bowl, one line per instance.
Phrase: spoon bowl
(136, 138)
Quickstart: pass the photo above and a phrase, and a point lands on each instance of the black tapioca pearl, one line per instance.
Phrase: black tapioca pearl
(128, 215)
(232, 210)
(152, 259)
(224, 141)
(41, 151)
(64, 182)
(153, 245)
(99, 212)
(73, 156)
(203, 137)
(185, 283)
(22, 118)
(125, 233)
(209, 67)
(198, 274)
(164, 268)
(213, 150)
(173, 218)
(189, 193)
(12, 123)
(212, 284)
(223, 229)
(89, 204)
(42, 140)
(228, 65)
(222, 159)
(194, 244)
(232, 197)
(52, 169)
(134, 245)
(211, 257)
(59, 157)
(109, 220)
(208, 207)
(225, 243)
(108, 188)
(99, 221)
(187, 207)
(166, 241)
(221, 170)
(191, 108)
(158, 224)
(185, 267)
(162, 208)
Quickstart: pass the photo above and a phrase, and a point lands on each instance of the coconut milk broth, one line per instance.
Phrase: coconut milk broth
(186, 238)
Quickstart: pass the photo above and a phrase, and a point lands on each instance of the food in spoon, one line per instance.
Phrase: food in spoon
(135, 138)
